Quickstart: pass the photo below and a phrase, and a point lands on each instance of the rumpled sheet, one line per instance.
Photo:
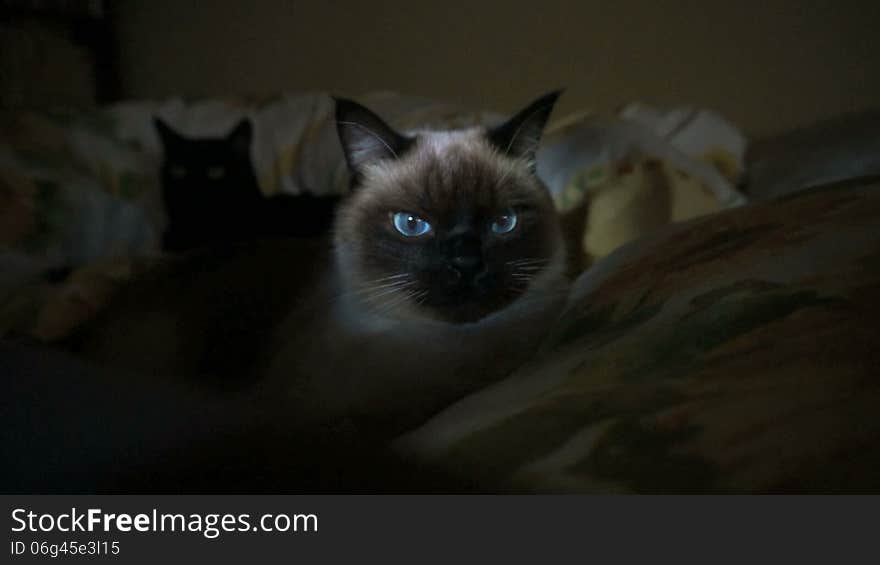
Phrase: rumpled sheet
(642, 170)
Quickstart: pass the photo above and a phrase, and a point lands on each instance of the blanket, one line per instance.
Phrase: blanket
(736, 353)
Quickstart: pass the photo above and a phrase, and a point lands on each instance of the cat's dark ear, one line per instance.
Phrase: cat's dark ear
(519, 136)
(167, 136)
(365, 137)
(240, 137)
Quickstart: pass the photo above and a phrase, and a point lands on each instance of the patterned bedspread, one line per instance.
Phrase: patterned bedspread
(736, 353)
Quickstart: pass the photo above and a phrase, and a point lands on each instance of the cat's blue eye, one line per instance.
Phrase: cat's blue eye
(504, 223)
(410, 225)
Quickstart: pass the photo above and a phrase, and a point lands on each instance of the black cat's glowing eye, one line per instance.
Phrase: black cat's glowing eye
(504, 223)
(178, 172)
(216, 173)
(410, 225)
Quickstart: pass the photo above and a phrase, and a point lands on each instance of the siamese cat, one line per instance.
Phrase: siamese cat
(211, 196)
(445, 269)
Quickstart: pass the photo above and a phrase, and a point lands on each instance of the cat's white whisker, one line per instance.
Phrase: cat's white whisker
(369, 289)
(528, 268)
(421, 298)
(396, 301)
(527, 261)
(390, 277)
(389, 291)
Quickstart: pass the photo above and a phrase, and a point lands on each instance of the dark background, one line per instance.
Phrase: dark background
(767, 65)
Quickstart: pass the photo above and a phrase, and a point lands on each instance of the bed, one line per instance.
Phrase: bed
(732, 347)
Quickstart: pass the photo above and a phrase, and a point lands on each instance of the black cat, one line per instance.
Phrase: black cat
(211, 195)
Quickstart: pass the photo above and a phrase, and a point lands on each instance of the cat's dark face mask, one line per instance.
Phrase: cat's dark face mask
(473, 261)
(446, 225)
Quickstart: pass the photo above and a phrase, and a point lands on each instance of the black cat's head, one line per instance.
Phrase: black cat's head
(204, 174)
(446, 225)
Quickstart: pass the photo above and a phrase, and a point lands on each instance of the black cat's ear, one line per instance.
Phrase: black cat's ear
(167, 136)
(240, 137)
(365, 137)
(519, 136)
